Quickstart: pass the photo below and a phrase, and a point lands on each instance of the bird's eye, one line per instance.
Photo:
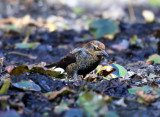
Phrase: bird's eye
(98, 49)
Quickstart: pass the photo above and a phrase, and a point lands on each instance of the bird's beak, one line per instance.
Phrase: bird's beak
(105, 53)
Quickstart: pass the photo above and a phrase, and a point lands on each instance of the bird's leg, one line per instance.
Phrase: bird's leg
(75, 76)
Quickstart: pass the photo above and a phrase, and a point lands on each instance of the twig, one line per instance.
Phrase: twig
(22, 54)
(131, 12)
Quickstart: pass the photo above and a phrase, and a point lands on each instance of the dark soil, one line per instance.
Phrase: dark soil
(51, 49)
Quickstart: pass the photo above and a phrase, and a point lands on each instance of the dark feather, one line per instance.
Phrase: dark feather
(64, 62)
(90, 68)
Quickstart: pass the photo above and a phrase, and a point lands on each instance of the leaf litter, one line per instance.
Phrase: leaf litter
(128, 86)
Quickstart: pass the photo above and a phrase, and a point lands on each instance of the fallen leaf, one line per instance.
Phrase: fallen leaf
(78, 10)
(154, 3)
(149, 62)
(136, 41)
(120, 70)
(4, 97)
(36, 69)
(104, 71)
(10, 28)
(1, 61)
(145, 98)
(90, 77)
(133, 90)
(50, 26)
(27, 85)
(19, 22)
(93, 104)
(19, 70)
(63, 91)
(101, 27)
(155, 58)
(148, 15)
(9, 69)
(111, 71)
(5, 86)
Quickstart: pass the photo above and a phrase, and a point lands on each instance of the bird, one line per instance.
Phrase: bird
(82, 60)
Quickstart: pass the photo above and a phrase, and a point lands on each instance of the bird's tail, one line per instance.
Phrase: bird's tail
(51, 65)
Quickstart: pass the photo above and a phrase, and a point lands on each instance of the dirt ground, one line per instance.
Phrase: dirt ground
(63, 97)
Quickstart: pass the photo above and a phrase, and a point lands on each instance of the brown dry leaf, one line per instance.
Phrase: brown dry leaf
(41, 65)
(4, 97)
(9, 69)
(1, 61)
(105, 70)
(154, 85)
(19, 70)
(147, 98)
(149, 62)
(36, 69)
(64, 90)
(20, 22)
(50, 26)
(90, 77)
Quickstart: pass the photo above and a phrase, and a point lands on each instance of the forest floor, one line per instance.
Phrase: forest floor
(35, 33)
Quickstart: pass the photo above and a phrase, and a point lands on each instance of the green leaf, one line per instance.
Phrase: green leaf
(46, 114)
(111, 71)
(27, 85)
(19, 70)
(27, 45)
(102, 27)
(78, 10)
(154, 2)
(155, 58)
(136, 41)
(133, 40)
(5, 86)
(93, 104)
(133, 90)
(120, 70)
(105, 70)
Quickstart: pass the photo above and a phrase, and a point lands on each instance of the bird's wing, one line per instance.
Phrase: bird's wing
(65, 61)
(70, 58)
(80, 51)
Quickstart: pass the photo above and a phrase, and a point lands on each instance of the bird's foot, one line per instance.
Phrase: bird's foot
(76, 77)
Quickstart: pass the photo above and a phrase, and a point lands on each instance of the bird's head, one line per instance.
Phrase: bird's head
(97, 47)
